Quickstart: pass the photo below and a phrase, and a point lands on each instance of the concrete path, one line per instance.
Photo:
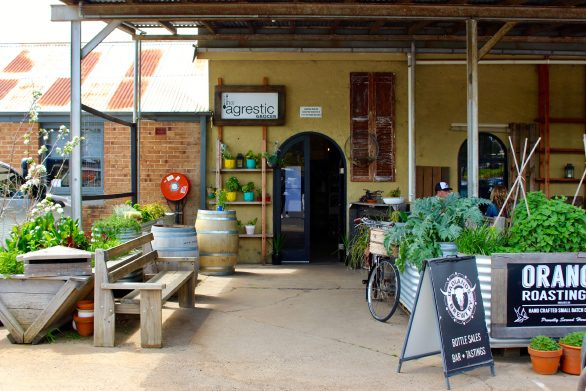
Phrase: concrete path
(290, 327)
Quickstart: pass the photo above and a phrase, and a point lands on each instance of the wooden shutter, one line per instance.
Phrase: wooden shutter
(360, 123)
(372, 110)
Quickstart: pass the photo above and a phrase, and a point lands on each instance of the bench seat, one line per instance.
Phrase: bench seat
(172, 279)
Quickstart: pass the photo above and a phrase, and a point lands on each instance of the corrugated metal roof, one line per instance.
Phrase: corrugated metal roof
(171, 81)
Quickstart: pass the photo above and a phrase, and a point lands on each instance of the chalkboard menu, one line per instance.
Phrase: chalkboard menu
(448, 317)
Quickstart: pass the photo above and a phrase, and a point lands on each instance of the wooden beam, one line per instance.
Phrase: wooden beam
(209, 26)
(168, 26)
(126, 29)
(495, 39)
(355, 38)
(356, 11)
(415, 27)
(512, 2)
(376, 26)
(567, 3)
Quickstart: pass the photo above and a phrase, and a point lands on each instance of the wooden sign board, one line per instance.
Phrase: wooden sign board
(538, 293)
(249, 105)
(57, 261)
(448, 317)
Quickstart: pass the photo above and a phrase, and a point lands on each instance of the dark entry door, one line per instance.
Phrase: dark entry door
(292, 206)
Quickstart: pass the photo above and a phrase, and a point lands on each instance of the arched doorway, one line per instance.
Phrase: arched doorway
(310, 195)
(492, 165)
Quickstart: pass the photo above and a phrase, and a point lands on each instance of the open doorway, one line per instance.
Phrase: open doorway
(309, 199)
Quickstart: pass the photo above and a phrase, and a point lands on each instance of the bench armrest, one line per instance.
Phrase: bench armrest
(134, 285)
(176, 259)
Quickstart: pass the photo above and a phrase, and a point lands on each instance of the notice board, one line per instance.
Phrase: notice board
(538, 293)
(448, 317)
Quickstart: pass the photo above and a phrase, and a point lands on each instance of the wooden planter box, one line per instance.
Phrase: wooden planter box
(31, 307)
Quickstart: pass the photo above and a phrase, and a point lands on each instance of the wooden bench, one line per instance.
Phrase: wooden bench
(145, 298)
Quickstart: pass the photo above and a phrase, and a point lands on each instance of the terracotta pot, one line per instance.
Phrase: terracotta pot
(545, 363)
(85, 305)
(571, 359)
(85, 326)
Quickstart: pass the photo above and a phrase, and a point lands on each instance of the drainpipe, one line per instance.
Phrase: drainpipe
(411, 121)
(75, 122)
(136, 110)
(472, 72)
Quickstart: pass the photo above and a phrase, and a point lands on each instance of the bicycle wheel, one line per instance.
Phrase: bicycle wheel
(383, 291)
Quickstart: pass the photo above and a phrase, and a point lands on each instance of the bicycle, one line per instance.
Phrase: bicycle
(383, 286)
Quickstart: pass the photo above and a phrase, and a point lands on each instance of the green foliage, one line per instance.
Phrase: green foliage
(573, 339)
(156, 210)
(552, 227)
(50, 337)
(278, 243)
(432, 220)
(250, 155)
(9, 264)
(259, 192)
(544, 344)
(398, 217)
(221, 199)
(249, 187)
(482, 240)
(225, 153)
(272, 156)
(232, 184)
(357, 246)
(394, 193)
(112, 225)
(144, 213)
(239, 223)
(252, 222)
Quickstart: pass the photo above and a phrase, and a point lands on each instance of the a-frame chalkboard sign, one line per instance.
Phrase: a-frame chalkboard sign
(448, 317)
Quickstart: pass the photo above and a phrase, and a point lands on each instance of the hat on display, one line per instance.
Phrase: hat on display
(442, 186)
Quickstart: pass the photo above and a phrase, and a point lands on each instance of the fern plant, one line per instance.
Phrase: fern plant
(432, 220)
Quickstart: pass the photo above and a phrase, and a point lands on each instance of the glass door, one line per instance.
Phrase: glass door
(293, 201)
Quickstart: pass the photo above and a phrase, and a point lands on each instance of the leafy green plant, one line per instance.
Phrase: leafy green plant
(249, 187)
(50, 337)
(278, 243)
(357, 246)
(394, 193)
(398, 216)
(145, 214)
(544, 344)
(573, 339)
(9, 264)
(432, 220)
(113, 224)
(156, 210)
(252, 222)
(271, 157)
(239, 223)
(259, 192)
(232, 184)
(222, 199)
(552, 227)
(250, 155)
(482, 240)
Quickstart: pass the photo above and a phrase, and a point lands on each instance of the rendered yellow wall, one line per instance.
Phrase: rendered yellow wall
(507, 93)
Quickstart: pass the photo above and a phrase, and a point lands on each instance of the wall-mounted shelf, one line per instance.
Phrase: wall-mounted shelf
(576, 180)
(242, 170)
(243, 203)
(561, 150)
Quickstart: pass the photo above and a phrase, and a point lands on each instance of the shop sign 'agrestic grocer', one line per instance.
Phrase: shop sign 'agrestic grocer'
(541, 290)
(249, 105)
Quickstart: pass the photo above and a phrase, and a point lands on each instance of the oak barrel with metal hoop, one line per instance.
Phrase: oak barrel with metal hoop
(175, 241)
(217, 238)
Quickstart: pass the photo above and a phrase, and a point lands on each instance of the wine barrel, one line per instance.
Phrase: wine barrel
(217, 238)
(175, 241)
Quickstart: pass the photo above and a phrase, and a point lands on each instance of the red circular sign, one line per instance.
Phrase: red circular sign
(175, 186)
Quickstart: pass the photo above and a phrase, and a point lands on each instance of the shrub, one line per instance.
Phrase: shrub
(573, 339)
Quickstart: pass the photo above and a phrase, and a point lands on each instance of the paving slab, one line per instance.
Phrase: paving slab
(288, 327)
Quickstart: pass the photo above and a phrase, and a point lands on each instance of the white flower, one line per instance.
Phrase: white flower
(45, 137)
(60, 210)
(26, 141)
(48, 196)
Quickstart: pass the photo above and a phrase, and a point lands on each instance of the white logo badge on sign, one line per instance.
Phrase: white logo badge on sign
(460, 298)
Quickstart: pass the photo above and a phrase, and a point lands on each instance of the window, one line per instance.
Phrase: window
(92, 158)
(372, 111)
(492, 165)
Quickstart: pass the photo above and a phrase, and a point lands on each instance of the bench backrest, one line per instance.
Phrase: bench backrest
(115, 272)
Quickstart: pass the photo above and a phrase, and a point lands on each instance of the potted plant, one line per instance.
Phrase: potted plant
(545, 355)
(482, 240)
(232, 186)
(248, 191)
(277, 253)
(268, 197)
(272, 157)
(240, 226)
(222, 200)
(250, 226)
(229, 161)
(250, 160)
(211, 190)
(572, 348)
(394, 197)
(259, 195)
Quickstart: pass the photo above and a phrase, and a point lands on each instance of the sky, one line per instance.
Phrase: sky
(29, 21)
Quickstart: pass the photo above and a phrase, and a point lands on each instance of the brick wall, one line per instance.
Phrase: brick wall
(12, 147)
(165, 147)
